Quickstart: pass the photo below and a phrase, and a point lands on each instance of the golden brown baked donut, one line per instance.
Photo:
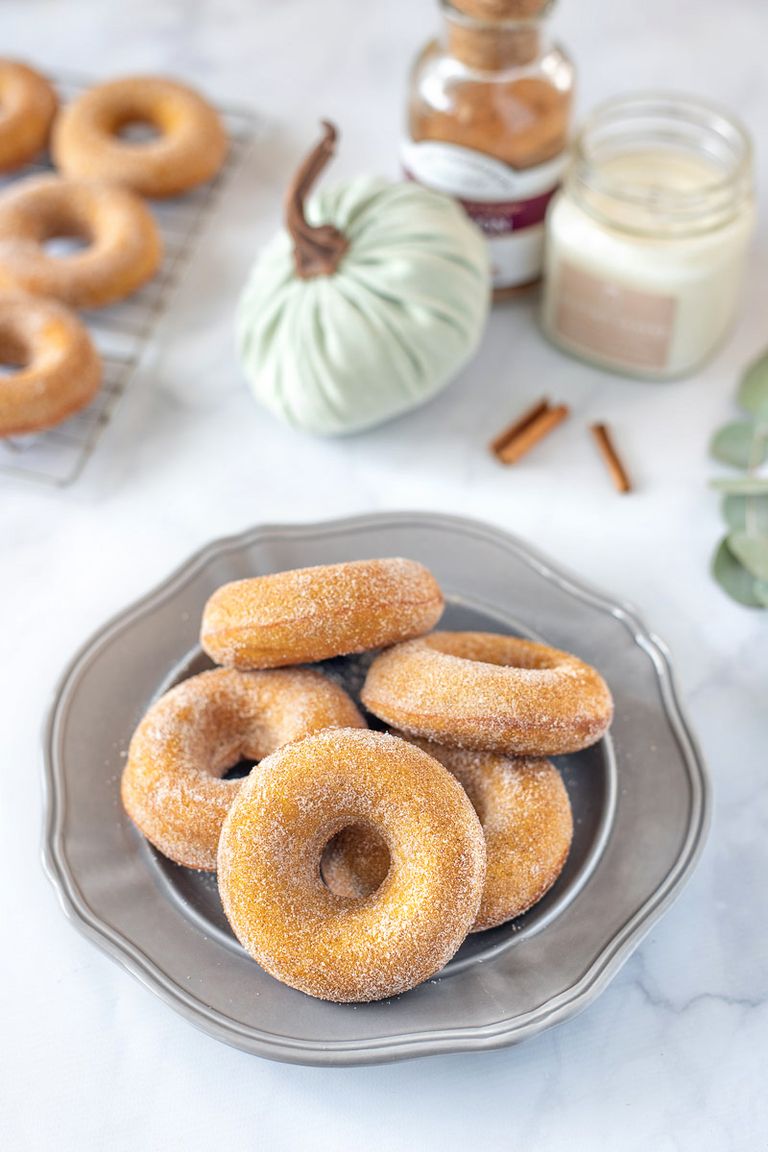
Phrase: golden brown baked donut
(490, 692)
(525, 813)
(269, 866)
(189, 149)
(172, 786)
(312, 614)
(123, 249)
(59, 368)
(27, 106)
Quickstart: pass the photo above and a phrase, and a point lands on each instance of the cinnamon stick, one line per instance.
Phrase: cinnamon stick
(607, 449)
(514, 429)
(532, 427)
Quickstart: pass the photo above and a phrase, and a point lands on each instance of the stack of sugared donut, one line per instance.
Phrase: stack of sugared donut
(104, 168)
(352, 863)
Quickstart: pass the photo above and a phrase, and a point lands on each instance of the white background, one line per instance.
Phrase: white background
(673, 1054)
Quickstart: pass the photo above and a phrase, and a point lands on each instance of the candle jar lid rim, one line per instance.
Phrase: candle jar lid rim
(496, 24)
(717, 198)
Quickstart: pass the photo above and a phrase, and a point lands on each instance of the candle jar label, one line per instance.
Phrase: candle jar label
(626, 327)
(507, 204)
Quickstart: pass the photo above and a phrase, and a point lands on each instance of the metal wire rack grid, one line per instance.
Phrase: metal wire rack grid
(57, 456)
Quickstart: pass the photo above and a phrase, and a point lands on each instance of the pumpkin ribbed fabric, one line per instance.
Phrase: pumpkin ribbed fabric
(400, 316)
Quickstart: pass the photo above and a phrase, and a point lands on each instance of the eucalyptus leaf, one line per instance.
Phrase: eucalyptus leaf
(753, 393)
(761, 591)
(748, 486)
(733, 577)
(752, 552)
(740, 444)
(746, 514)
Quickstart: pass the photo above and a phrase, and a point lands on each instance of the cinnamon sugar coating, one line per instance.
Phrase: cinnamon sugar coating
(190, 146)
(123, 247)
(312, 614)
(28, 105)
(525, 813)
(59, 367)
(172, 786)
(490, 692)
(269, 866)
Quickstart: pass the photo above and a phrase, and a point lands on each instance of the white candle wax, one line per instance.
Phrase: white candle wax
(645, 261)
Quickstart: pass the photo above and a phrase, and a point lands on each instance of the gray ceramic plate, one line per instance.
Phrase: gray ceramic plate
(640, 802)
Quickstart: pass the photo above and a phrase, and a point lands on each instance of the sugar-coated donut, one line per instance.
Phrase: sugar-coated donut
(490, 692)
(269, 866)
(59, 368)
(123, 246)
(189, 148)
(525, 813)
(311, 614)
(27, 106)
(172, 786)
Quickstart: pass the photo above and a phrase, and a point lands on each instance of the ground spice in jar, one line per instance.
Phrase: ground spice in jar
(488, 122)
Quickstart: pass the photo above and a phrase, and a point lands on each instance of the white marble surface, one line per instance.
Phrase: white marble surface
(672, 1056)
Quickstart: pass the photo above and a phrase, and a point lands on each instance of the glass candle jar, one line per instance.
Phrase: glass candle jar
(488, 122)
(648, 238)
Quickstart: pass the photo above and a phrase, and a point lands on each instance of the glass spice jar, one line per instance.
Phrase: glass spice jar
(648, 239)
(488, 121)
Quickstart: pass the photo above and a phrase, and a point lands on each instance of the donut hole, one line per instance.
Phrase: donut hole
(137, 130)
(14, 354)
(65, 235)
(240, 770)
(135, 123)
(491, 648)
(66, 244)
(368, 849)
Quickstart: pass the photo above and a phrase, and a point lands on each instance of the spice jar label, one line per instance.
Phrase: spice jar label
(624, 326)
(507, 204)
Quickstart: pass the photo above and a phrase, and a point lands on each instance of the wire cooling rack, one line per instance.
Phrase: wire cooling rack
(121, 333)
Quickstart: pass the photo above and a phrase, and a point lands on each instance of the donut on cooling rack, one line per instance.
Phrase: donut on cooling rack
(27, 106)
(189, 147)
(490, 692)
(172, 786)
(59, 370)
(525, 813)
(312, 614)
(122, 249)
(290, 922)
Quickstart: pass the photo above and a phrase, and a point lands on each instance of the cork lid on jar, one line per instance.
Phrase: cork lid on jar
(491, 10)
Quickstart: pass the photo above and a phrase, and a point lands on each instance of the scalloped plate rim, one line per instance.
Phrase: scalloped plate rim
(498, 1034)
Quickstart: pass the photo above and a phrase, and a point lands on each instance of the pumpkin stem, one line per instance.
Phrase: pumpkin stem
(317, 250)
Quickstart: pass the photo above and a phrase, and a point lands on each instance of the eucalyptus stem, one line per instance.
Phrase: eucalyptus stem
(756, 452)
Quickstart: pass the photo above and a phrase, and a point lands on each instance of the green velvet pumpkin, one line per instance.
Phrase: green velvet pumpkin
(367, 305)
